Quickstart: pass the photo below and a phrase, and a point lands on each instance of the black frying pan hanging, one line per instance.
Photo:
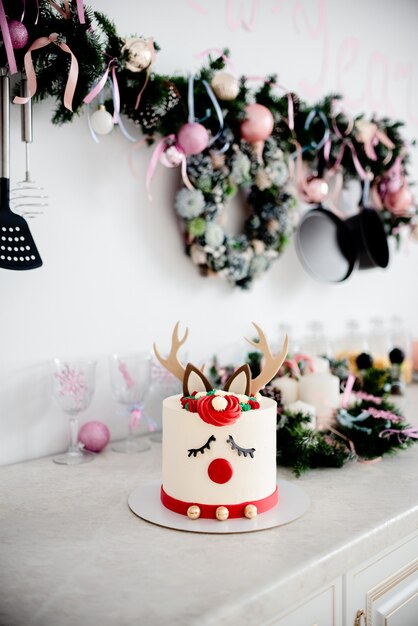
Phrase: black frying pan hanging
(17, 247)
(326, 246)
(371, 240)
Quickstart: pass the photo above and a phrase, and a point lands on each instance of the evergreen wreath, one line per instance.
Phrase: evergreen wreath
(267, 228)
(326, 137)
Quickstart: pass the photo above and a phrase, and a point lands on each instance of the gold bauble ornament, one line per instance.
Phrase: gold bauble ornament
(225, 86)
(139, 54)
(250, 511)
(222, 513)
(193, 512)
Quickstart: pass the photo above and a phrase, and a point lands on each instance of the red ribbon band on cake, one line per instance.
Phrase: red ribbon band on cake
(208, 511)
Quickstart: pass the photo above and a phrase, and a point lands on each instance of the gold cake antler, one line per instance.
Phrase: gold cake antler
(172, 363)
(271, 363)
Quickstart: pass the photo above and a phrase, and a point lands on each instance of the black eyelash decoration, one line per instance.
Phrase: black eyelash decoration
(244, 451)
(194, 451)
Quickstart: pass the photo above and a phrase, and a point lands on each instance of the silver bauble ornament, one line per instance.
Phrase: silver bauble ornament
(225, 86)
(139, 54)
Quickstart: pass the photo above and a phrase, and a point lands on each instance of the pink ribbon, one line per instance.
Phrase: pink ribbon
(406, 432)
(135, 418)
(126, 375)
(7, 40)
(309, 361)
(158, 151)
(367, 397)
(292, 365)
(30, 71)
(346, 144)
(150, 43)
(80, 11)
(347, 391)
(65, 13)
(386, 415)
(100, 84)
(220, 53)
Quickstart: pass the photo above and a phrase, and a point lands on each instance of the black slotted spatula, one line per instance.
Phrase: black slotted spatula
(17, 247)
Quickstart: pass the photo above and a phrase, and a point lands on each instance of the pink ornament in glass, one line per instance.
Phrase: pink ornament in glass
(192, 138)
(18, 34)
(94, 436)
(258, 124)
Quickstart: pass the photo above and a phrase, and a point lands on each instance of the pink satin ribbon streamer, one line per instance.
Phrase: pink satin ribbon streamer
(7, 40)
(347, 144)
(347, 391)
(353, 449)
(158, 151)
(80, 12)
(99, 85)
(309, 361)
(65, 13)
(30, 71)
(220, 53)
(148, 71)
(406, 432)
(135, 418)
(361, 395)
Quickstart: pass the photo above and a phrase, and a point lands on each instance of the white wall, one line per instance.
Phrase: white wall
(115, 276)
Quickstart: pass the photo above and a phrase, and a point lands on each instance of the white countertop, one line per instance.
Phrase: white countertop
(73, 554)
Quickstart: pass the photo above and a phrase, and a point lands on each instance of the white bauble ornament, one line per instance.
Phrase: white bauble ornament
(101, 121)
(225, 86)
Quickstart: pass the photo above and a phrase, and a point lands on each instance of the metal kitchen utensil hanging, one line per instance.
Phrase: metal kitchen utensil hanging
(27, 198)
(17, 247)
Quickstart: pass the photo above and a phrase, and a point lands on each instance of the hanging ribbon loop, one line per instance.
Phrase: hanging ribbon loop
(30, 70)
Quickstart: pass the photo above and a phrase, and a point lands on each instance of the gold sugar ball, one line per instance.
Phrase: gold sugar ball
(193, 512)
(250, 511)
(222, 513)
(225, 86)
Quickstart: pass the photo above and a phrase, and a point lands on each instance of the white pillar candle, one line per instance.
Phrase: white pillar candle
(320, 365)
(306, 409)
(322, 390)
(288, 387)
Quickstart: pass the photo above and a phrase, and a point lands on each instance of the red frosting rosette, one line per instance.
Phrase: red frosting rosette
(224, 417)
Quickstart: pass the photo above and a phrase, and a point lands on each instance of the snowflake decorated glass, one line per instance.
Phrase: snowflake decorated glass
(73, 385)
(130, 378)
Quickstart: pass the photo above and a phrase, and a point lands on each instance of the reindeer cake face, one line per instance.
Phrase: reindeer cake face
(219, 446)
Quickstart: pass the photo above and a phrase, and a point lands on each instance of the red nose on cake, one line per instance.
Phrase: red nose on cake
(220, 471)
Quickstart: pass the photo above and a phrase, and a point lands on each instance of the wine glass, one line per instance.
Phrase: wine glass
(129, 378)
(73, 387)
(165, 384)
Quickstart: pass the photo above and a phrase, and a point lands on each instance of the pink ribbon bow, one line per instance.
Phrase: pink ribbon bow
(30, 70)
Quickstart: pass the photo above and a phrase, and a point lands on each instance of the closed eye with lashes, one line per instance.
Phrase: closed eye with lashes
(244, 451)
(195, 451)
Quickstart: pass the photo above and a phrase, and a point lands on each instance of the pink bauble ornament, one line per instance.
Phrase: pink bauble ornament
(316, 189)
(171, 157)
(94, 435)
(193, 138)
(399, 202)
(258, 124)
(18, 34)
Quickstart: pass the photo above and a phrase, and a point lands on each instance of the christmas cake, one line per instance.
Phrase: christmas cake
(219, 445)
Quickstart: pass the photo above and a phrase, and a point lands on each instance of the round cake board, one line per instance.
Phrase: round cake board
(145, 502)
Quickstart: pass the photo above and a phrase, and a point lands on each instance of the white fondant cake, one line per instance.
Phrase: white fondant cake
(185, 476)
(219, 445)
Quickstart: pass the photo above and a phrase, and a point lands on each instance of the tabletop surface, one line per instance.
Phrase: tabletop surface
(73, 554)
